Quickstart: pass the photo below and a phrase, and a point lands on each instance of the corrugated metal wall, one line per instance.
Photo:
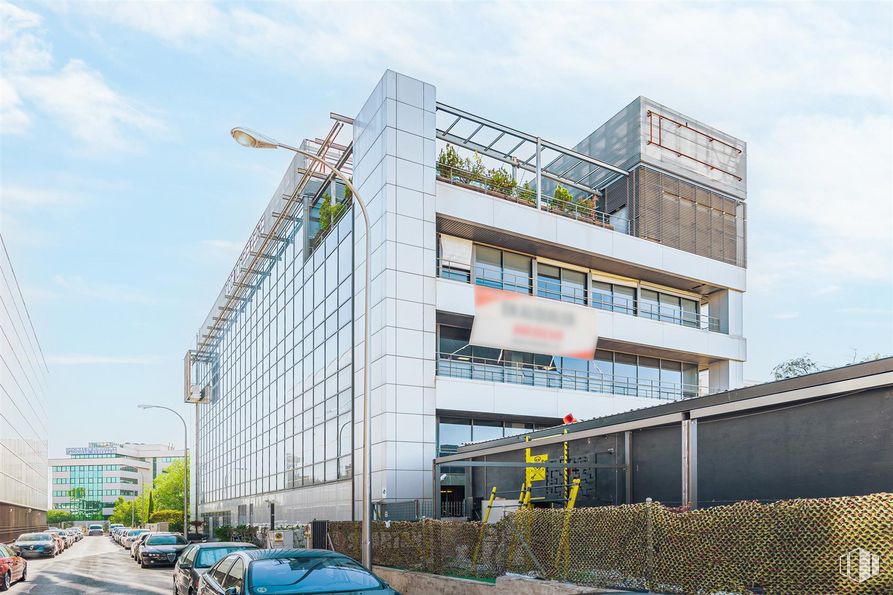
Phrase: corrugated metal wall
(679, 214)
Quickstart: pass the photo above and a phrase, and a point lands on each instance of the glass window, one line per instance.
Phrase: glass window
(670, 309)
(649, 377)
(517, 272)
(573, 286)
(625, 374)
(548, 281)
(670, 379)
(486, 430)
(602, 296)
(219, 571)
(624, 299)
(234, 576)
(689, 380)
(454, 340)
(516, 428)
(488, 267)
(648, 304)
(452, 433)
(690, 313)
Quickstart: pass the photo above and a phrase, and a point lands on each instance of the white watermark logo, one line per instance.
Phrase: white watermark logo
(859, 565)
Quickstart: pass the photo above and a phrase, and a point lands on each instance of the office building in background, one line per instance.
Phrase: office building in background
(89, 480)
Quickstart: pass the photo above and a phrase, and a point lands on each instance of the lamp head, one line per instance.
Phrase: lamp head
(144, 406)
(252, 139)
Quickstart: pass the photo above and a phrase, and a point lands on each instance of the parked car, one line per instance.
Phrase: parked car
(78, 532)
(61, 543)
(94, 530)
(112, 528)
(37, 544)
(121, 533)
(135, 546)
(130, 536)
(289, 572)
(74, 535)
(63, 535)
(12, 567)
(196, 559)
(161, 549)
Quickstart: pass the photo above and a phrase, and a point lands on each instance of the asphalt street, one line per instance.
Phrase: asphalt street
(93, 565)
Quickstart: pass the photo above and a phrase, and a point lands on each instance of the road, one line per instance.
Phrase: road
(93, 565)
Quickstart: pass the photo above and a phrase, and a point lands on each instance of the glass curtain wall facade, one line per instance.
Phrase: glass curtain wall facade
(23, 414)
(281, 378)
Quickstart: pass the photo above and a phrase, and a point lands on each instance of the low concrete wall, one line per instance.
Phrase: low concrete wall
(420, 583)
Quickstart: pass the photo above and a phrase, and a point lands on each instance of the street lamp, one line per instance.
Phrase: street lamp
(185, 451)
(255, 140)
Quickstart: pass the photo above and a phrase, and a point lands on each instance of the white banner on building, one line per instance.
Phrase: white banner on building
(509, 320)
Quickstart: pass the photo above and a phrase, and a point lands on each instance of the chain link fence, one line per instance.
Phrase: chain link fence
(829, 545)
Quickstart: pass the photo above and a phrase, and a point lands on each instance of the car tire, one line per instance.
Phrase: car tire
(143, 564)
(7, 580)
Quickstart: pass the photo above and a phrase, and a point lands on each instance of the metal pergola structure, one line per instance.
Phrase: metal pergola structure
(272, 232)
(521, 151)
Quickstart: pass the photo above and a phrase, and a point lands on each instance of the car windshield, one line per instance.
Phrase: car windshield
(207, 556)
(35, 537)
(165, 540)
(95, 526)
(136, 532)
(312, 575)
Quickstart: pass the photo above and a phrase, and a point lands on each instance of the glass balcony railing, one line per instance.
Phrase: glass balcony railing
(492, 370)
(555, 289)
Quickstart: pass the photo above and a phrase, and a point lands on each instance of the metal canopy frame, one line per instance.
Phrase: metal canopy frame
(522, 150)
(269, 238)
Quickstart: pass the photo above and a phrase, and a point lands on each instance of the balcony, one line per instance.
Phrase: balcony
(468, 367)
(498, 184)
(578, 293)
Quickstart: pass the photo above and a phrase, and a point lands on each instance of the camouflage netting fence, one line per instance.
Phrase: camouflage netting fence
(829, 545)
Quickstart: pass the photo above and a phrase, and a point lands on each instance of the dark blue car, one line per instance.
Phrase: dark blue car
(289, 572)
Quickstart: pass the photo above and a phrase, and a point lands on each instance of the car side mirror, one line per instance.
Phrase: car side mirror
(231, 591)
(17, 550)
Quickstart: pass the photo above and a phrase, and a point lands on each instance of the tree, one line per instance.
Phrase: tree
(174, 518)
(54, 517)
(151, 507)
(168, 487)
(797, 366)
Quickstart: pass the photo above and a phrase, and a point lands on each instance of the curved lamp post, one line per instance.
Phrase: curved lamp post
(185, 453)
(255, 140)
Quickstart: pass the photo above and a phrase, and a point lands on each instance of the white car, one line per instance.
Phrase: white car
(131, 536)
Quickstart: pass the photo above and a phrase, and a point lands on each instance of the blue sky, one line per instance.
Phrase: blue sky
(125, 202)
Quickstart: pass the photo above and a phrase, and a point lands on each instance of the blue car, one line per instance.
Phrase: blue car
(289, 572)
(34, 545)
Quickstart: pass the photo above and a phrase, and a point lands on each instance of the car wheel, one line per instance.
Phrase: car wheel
(7, 579)
(142, 564)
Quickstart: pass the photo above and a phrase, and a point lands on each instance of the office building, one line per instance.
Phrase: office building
(89, 480)
(514, 280)
(23, 413)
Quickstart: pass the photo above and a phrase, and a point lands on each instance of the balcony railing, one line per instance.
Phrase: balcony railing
(556, 290)
(504, 187)
(492, 370)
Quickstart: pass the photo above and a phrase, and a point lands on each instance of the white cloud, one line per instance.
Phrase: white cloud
(13, 119)
(786, 315)
(26, 197)
(828, 179)
(81, 101)
(76, 96)
(75, 286)
(170, 21)
(90, 360)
